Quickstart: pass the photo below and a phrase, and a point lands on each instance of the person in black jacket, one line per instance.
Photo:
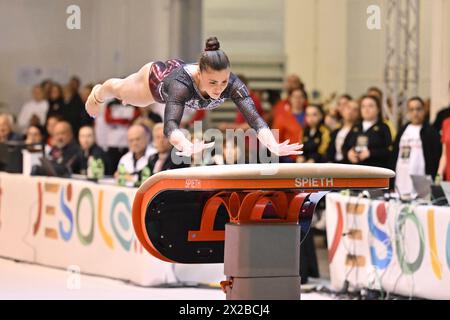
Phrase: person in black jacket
(417, 148)
(316, 136)
(56, 103)
(350, 116)
(369, 142)
(65, 154)
(86, 139)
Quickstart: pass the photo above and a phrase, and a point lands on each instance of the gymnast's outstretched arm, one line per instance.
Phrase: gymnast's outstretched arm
(178, 94)
(245, 104)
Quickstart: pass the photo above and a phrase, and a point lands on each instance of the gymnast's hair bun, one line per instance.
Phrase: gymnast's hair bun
(212, 44)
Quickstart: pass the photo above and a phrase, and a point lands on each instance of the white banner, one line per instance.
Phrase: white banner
(396, 247)
(82, 226)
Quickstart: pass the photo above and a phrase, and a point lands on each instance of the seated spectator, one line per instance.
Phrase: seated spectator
(350, 116)
(442, 115)
(291, 83)
(229, 153)
(333, 118)
(6, 132)
(295, 104)
(33, 112)
(417, 148)
(369, 141)
(377, 93)
(85, 91)
(46, 86)
(444, 167)
(65, 150)
(290, 120)
(35, 134)
(140, 151)
(74, 84)
(162, 159)
(65, 154)
(73, 107)
(52, 120)
(56, 101)
(316, 136)
(86, 139)
(111, 127)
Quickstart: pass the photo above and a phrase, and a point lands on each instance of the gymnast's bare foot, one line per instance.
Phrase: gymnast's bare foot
(93, 104)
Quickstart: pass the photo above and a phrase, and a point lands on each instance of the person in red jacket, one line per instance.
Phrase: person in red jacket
(444, 167)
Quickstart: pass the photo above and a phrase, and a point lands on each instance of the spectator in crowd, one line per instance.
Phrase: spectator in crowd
(140, 151)
(316, 137)
(35, 134)
(111, 129)
(333, 116)
(444, 167)
(33, 112)
(86, 119)
(417, 148)
(56, 101)
(52, 120)
(6, 132)
(74, 84)
(46, 86)
(229, 153)
(162, 159)
(86, 139)
(65, 151)
(342, 104)
(35, 138)
(442, 115)
(370, 141)
(85, 92)
(350, 116)
(377, 93)
(290, 120)
(291, 83)
(63, 155)
(73, 108)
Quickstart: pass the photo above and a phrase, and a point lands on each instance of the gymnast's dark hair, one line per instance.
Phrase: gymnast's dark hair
(212, 57)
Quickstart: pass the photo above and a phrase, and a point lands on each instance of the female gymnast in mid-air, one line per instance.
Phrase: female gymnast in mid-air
(203, 85)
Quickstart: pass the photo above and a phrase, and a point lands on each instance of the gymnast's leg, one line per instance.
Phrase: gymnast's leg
(133, 90)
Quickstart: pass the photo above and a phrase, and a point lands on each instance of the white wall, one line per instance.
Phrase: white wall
(116, 38)
(250, 28)
(328, 44)
(315, 43)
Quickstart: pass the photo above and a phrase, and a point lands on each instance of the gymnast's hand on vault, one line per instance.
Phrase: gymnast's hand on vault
(286, 149)
(192, 148)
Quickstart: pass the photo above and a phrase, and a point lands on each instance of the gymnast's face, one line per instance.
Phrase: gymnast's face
(213, 82)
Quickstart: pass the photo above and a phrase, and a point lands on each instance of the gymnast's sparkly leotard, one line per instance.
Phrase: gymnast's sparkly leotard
(171, 83)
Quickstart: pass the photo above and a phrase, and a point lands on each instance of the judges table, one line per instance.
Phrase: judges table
(389, 246)
(83, 227)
